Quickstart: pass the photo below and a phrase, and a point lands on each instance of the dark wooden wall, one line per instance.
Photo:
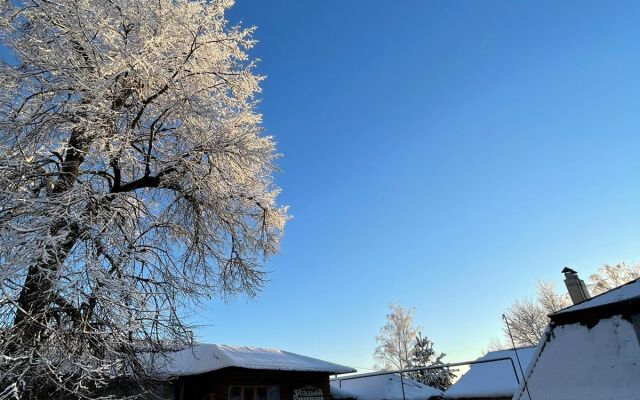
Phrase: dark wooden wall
(218, 382)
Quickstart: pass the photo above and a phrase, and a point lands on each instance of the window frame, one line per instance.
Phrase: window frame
(254, 387)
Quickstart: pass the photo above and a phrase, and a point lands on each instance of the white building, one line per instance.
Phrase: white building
(492, 380)
(591, 351)
(382, 387)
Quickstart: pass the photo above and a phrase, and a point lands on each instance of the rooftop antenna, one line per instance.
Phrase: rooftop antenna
(513, 343)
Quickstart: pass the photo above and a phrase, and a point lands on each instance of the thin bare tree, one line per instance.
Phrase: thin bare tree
(527, 320)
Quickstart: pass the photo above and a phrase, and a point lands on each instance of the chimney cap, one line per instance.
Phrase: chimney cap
(568, 270)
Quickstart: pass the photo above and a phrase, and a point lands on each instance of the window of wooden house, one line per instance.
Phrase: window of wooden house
(254, 392)
(235, 393)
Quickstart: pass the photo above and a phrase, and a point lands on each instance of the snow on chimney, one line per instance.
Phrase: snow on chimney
(575, 286)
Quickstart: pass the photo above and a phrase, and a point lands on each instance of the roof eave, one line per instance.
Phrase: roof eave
(591, 316)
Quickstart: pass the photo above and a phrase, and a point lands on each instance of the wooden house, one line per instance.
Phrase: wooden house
(221, 372)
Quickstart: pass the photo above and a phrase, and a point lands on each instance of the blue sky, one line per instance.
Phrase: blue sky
(440, 154)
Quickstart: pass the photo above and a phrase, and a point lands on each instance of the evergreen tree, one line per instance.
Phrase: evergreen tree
(425, 356)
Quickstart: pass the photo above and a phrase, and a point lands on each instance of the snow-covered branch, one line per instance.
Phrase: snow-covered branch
(134, 180)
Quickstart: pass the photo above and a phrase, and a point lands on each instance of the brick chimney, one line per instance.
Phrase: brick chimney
(575, 286)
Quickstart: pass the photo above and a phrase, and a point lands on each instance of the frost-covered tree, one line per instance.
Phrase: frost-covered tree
(425, 356)
(527, 320)
(134, 180)
(396, 339)
(608, 277)
(400, 345)
(528, 317)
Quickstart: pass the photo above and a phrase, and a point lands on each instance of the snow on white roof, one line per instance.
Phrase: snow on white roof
(203, 358)
(338, 393)
(578, 362)
(385, 387)
(492, 379)
(625, 292)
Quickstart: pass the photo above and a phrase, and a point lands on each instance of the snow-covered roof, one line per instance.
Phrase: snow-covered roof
(627, 292)
(492, 379)
(203, 358)
(338, 393)
(580, 362)
(385, 387)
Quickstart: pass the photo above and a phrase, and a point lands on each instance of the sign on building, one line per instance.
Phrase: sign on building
(308, 393)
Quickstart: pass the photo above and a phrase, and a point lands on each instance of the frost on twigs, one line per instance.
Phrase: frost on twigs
(134, 180)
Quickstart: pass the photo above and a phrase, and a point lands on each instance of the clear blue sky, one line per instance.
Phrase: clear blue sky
(440, 154)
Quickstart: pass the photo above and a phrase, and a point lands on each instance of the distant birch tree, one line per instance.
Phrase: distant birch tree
(134, 180)
(396, 340)
(400, 345)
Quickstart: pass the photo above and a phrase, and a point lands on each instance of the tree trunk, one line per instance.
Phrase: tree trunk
(39, 286)
(38, 290)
